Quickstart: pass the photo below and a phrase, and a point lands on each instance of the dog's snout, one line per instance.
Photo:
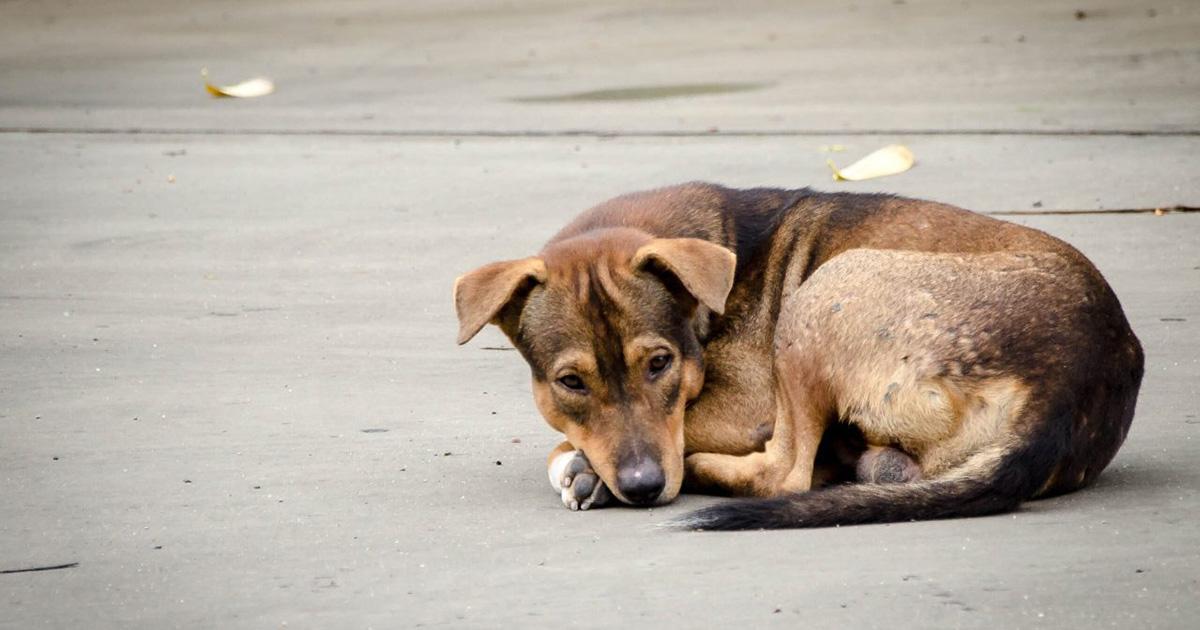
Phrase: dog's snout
(641, 481)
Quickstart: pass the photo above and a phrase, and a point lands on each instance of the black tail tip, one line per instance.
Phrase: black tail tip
(730, 516)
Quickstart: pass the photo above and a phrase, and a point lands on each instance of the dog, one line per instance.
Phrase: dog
(836, 358)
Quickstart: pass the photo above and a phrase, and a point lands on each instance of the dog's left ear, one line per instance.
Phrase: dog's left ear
(705, 269)
(480, 295)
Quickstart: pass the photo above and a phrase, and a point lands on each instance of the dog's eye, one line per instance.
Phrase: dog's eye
(572, 382)
(659, 364)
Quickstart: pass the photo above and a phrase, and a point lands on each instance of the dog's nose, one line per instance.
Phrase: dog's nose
(641, 482)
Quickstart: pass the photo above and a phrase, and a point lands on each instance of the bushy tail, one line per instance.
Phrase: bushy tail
(985, 485)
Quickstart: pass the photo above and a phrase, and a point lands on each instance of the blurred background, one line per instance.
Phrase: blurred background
(504, 66)
(229, 390)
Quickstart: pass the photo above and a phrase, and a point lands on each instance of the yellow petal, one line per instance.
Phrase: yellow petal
(258, 86)
(889, 160)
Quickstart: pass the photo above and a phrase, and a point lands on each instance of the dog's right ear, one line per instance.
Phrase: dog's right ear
(480, 295)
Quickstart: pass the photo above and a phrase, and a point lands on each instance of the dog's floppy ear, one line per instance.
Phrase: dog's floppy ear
(481, 294)
(705, 269)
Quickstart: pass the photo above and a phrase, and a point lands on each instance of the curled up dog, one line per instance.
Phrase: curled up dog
(840, 358)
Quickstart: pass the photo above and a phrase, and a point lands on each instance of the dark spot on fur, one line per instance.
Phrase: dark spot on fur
(891, 390)
(762, 433)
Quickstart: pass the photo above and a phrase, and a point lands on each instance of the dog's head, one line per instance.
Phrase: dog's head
(608, 322)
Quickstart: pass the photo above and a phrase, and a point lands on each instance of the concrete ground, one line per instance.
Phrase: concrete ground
(229, 390)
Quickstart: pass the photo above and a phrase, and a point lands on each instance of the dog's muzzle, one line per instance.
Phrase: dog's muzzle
(641, 482)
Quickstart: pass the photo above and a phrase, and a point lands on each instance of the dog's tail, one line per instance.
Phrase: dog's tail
(993, 481)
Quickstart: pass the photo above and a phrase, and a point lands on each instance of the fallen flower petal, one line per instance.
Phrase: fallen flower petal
(250, 88)
(889, 160)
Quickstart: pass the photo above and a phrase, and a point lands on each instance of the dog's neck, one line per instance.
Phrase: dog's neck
(746, 222)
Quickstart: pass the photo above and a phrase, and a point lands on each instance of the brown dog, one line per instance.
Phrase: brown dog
(763, 342)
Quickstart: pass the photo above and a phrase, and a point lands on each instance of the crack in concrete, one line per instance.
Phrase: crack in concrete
(56, 567)
(1159, 211)
(599, 133)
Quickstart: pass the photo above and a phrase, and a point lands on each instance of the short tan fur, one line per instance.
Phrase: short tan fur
(733, 339)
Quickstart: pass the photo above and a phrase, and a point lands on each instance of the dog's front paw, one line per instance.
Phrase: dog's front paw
(580, 487)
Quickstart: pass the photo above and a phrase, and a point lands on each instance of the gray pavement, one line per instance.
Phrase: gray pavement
(228, 384)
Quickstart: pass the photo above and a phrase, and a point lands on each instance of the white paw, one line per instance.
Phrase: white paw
(579, 486)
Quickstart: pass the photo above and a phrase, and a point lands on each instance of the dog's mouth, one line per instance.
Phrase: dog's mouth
(661, 498)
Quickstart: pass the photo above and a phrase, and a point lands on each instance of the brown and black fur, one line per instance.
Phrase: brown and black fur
(992, 358)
